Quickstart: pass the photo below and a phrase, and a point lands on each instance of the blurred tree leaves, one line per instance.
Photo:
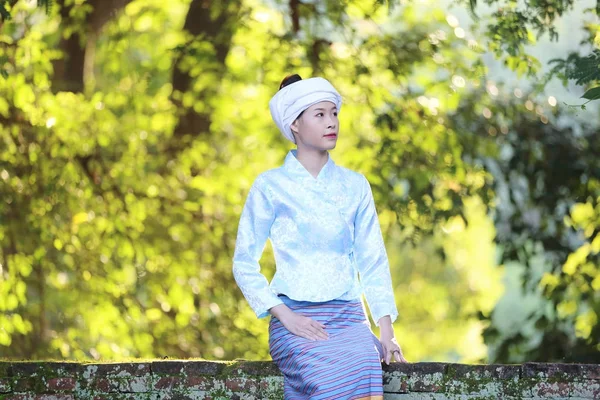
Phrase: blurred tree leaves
(130, 135)
(540, 173)
(7, 5)
(513, 26)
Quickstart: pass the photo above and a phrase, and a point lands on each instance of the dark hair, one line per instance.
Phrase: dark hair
(288, 80)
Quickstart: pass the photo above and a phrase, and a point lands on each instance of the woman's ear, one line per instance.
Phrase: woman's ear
(294, 126)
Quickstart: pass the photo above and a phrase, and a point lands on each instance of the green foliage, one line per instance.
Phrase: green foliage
(584, 70)
(120, 194)
(513, 25)
(516, 25)
(539, 14)
(542, 171)
(592, 94)
(6, 6)
(4, 13)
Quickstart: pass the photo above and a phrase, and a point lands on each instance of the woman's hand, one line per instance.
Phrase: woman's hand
(298, 324)
(391, 348)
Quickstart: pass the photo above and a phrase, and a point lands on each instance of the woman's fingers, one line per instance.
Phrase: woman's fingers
(392, 351)
(388, 357)
(306, 334)
(310, 329)
(317, 333)
(399, 356)
(314, 335)
(396, 353)
(320, 330)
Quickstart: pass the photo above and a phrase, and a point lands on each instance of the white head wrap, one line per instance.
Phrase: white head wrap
(290, 101)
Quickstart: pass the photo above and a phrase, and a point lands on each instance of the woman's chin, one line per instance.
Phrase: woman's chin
(330, 144)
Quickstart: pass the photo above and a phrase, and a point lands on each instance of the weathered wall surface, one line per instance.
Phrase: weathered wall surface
(170, 379)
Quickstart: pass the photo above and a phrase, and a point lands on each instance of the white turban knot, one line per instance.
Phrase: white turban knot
(290, 101)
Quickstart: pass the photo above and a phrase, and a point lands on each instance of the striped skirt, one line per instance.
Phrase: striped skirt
(345, 366)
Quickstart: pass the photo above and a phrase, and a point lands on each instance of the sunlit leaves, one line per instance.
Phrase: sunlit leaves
(530, 214)
(575, 259)
(124, 233)
(582, 269)
(5, 7)
(13, 296)
(515, 25)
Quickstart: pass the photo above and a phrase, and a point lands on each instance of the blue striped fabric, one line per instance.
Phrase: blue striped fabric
(345, 366)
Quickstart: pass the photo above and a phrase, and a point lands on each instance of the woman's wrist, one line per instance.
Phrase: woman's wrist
(386, 328)
(280, 311)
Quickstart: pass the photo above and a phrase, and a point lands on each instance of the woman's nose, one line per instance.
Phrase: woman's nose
(331, 122)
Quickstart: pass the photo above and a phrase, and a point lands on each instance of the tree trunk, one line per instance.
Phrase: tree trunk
(71, 70)
(214, 22)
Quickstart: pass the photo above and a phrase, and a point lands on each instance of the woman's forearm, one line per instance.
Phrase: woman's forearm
(385, 326)
(280, 311)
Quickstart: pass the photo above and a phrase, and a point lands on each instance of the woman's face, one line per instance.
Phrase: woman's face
(317, 127)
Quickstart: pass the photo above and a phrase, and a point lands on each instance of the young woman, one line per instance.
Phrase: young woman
(329, 251)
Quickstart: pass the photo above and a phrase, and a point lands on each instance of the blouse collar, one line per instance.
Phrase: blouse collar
(295, 168)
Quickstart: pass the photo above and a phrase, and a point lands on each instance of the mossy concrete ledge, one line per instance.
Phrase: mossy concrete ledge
(250, 380)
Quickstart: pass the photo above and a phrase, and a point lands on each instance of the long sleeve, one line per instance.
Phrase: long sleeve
(253, 231)
(372, 260)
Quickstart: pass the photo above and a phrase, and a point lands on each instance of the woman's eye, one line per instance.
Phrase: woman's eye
(319, 114)
(335, 113)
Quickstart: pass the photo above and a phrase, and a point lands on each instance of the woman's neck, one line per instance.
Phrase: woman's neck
(312, 160)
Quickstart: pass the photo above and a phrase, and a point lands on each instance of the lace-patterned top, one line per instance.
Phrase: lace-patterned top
(325, 236)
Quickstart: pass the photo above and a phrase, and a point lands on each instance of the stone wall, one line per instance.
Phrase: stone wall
(170, 379)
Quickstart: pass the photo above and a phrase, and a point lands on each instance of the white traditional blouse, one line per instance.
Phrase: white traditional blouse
(325, 236)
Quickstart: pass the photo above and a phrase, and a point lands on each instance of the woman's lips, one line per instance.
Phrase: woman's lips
(331, 136)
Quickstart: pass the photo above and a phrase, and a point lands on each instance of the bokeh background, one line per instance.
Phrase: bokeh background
(131, 131)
